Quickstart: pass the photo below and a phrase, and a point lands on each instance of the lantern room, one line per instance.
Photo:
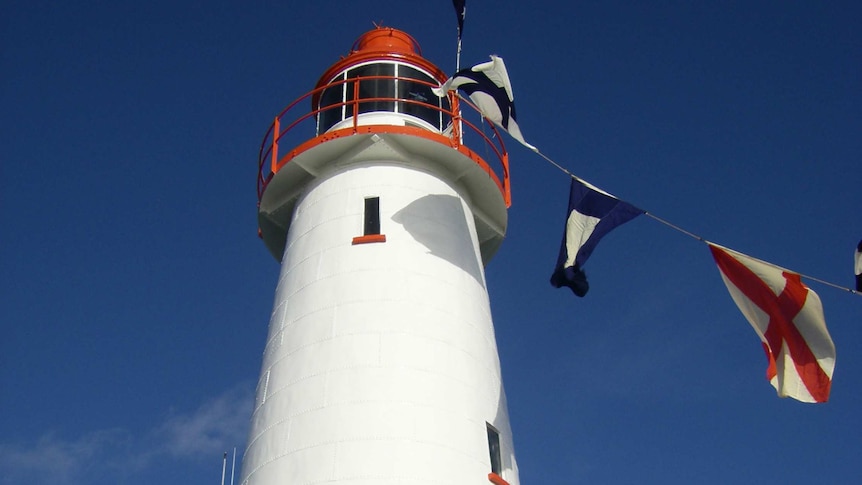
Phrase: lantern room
(385, 80)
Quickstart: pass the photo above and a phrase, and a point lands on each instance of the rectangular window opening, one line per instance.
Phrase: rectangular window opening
(494, 449)
(372, 216)
(371, 224)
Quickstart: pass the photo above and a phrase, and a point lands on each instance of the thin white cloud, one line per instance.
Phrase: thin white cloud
(217, 425)
(211, 428)
(55, 460)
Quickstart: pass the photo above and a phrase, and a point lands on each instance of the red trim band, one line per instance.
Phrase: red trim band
(497, 479)
(369, 238)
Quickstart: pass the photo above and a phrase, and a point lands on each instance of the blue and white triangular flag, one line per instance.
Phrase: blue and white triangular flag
(488, 86)
(461, 12)
(592, 214)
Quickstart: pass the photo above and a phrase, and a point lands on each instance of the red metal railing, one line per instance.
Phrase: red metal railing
(293, 117)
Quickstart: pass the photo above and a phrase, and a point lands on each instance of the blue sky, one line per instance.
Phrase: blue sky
(135, 294)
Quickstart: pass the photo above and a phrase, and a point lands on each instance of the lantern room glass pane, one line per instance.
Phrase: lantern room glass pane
(372, 88)
(422, 103)
(332, 109)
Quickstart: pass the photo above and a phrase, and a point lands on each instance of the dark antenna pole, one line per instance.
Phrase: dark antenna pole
(223, 466)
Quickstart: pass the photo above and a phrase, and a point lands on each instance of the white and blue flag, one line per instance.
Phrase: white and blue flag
(592, 214)
(488, 86)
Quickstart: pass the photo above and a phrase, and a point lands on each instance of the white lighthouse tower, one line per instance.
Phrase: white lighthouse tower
(381, 364)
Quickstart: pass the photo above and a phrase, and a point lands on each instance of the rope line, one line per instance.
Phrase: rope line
(691, 234)
(659, 219)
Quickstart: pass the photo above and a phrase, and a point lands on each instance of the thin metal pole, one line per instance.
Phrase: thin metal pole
(233, 466)
(223, 466)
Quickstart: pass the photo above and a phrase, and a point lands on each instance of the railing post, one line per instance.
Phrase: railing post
(507, 189)
(456, 120)
(276, 129)
(355, 103)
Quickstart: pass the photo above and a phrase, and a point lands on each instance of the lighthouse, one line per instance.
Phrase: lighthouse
(381, 364)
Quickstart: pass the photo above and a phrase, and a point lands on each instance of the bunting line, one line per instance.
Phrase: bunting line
(691, 234)
(502, 113)
(790, 324)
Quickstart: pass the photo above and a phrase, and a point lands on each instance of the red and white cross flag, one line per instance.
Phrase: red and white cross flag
(788, 317)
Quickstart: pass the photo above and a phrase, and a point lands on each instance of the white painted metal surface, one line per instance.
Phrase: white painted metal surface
(381, 364)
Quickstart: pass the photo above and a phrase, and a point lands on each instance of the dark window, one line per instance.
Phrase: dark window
(372, 88)
(494, 448)
(332, 97)
(372, 215)
(424, 101)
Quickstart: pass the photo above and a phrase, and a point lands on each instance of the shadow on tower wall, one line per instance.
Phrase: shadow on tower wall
(439, 223)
